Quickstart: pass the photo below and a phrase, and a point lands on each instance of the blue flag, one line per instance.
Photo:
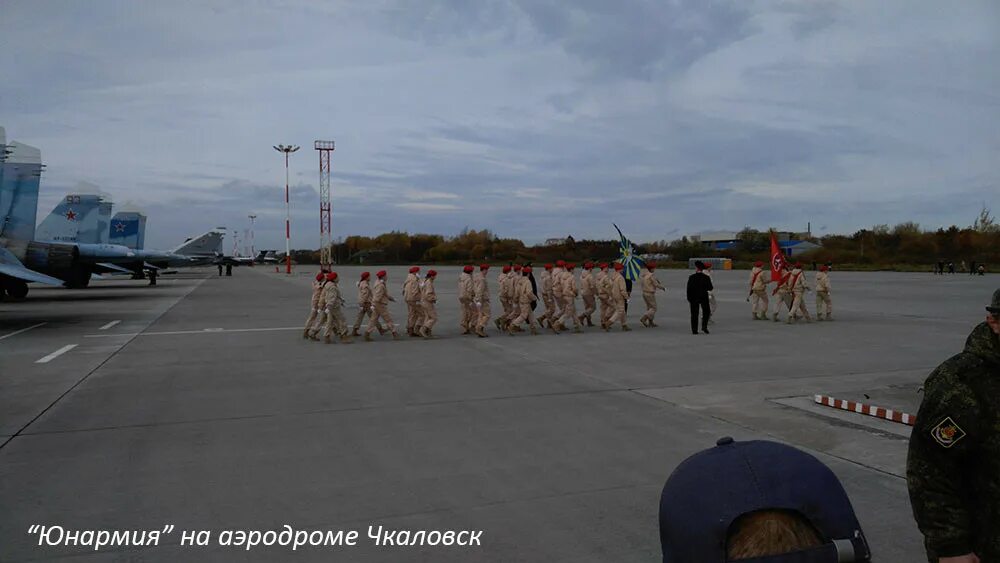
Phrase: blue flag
(626, 255)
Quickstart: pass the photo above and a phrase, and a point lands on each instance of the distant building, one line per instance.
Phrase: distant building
(555, 241)
(724, 240)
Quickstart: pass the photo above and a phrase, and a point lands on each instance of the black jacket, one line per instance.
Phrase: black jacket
(698, 287)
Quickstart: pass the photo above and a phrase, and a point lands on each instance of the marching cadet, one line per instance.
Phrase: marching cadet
(649, 284)
(515, 307)
(798, 286)
(603, 280)
(548, 299)
(570, 291)
(953, 462)
(711, 294)
(699, 287)
(505, 294)
(784, 293)
(823, 302)
(557, 296)
(481, 296)
(758, 292)
(411, 295)
(588, 290)
(619, 296)
(525, 298)
(428, 301)
(380, 307)
(314, 309)
(465, 299)
(335, 323)
(364, 304)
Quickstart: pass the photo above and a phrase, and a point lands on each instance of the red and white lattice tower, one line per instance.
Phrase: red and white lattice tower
(325, 208)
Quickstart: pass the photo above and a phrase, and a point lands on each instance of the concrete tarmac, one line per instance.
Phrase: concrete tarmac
(197, 404)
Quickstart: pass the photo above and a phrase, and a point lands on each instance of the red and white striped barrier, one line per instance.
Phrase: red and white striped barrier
(861, 408)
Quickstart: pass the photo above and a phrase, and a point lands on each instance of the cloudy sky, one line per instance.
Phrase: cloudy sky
(533, 118)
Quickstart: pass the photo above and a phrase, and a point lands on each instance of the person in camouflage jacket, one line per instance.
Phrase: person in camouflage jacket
(953, 466)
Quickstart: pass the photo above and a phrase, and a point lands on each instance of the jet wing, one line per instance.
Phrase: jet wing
(11, 266)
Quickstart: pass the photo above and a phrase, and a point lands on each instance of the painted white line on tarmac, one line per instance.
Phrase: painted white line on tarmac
(56, 354)
(16, 332)
(109, 325)
(202, 331)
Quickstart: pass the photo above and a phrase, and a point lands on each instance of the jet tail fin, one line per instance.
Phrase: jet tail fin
(128, 228)
(77, 219)
(20, 174)
(208, 244)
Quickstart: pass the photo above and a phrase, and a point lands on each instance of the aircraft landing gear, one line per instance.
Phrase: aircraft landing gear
(15, 290)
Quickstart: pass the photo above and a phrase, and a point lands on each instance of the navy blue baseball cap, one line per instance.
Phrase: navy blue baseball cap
(713, 488)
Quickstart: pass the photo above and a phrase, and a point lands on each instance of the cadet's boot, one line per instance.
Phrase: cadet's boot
(314, 336)
(533, 331)
(625, 328)
(368, 337)
(327, 340)
(480, 332)
(590, 322)
(381, 331)
(829, 317)
(305, 333)
(776, 317)
(395, 335)
(497, 322)
(651, 323)
(553, 328)
(355, 333)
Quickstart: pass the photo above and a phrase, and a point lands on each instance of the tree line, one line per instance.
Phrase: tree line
(903, 245)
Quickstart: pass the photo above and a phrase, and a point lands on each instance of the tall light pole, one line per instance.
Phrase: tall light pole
(253, 251)
(287, 149)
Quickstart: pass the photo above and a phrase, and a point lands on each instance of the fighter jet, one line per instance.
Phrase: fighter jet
(23, 256)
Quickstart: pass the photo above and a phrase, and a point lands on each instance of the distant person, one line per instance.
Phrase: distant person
(380, 308)
(824, 306)
(649, 283)
(411, 296)
(972, 268)
(364, 304)
(152, 277)
(481, 297)
(588, 292)
(547, 283)
(619, 298)
(712, 303)
(940, 267)
(953, 466)
(505, 281)
(428, 303)
(570, 291)
(797, 283)
(951, 267)
(333, 303)
(229, 270)
(465, 299)
(698, 287)
(525, 296)
(220, 267)
(603, 279)
(758, 292)
(982, 269)
(757, 500)
(783, 291)
(317, 289)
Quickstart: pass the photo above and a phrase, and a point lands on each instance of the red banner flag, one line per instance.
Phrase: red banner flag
(777, 259)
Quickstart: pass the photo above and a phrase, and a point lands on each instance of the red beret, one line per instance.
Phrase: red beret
(798, 264)
(484, 266)
(548, 266)
(758, 264)
(467, 269)
(365, 275)
(506, 269)
(517, 267)
(823, 268)
(526, 270)
(651, 265)
(319, 276)
(414, 269)
(603, 265)
(560, 263)
(570, 266)
(708, 265)
(619, 266)
(588, 265)
(380, 274)
(332, 276)
(431, 273)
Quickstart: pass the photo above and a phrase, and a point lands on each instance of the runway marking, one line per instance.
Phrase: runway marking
(109, 325)
(16, 332)
(56, 354)
(202, 331)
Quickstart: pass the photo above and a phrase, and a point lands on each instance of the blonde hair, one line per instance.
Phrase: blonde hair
(769, 532)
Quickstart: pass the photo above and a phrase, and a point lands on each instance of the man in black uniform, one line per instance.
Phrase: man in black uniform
(152, 277)
(697, 294)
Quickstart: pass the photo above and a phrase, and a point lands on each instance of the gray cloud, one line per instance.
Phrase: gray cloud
(531, 118)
